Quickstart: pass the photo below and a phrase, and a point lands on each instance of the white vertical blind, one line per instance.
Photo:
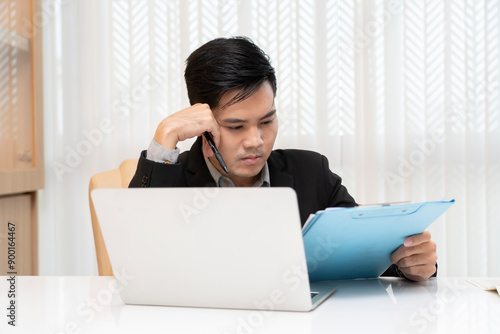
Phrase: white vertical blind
(401, 96)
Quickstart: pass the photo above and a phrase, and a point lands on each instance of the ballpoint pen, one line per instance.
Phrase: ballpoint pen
(216, 151)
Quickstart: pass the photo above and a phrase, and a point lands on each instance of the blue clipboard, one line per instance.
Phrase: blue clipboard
(357, 242)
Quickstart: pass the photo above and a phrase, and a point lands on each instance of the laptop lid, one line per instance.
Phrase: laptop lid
(207, 247)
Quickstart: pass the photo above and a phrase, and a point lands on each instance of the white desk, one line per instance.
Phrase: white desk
(56, 305)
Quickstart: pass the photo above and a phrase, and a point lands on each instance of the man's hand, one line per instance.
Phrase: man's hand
(416, 258)
(188, 123)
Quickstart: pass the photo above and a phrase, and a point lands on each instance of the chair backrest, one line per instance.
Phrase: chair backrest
(116, 178)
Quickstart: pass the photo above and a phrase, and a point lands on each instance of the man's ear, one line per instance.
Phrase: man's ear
(207, 150)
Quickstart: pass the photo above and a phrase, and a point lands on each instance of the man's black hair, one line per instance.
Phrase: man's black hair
(224, 64)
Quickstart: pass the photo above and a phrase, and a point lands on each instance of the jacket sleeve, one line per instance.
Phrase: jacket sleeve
(155, 174)
(393, 272)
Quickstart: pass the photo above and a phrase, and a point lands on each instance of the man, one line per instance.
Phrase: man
(231, 86)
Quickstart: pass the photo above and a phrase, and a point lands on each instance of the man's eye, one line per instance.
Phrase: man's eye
(236, 127)
(268, 122)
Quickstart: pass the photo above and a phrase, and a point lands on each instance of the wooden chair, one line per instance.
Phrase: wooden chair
(116, 178)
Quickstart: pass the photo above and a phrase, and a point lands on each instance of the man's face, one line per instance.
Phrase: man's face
(248, 130)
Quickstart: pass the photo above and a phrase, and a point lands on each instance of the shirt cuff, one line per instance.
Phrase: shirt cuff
(158, 153)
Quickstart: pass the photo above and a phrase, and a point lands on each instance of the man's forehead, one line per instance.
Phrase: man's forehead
(256, 105)
(237, 118)
(249, 111)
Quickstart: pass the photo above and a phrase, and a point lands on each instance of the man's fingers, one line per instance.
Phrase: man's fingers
(403, 251)
(417, 239)
(216, 135)
(417, 260)
(419, 273)
(187, 123)
(211, 121)
(417, 257)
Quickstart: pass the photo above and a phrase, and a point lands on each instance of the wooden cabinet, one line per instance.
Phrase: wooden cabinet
(18, 218)
(21, 135)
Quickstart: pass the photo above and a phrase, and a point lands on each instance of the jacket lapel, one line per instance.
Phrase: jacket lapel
(277, 173)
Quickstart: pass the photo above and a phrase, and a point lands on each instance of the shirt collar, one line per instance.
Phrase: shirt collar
(222, 181)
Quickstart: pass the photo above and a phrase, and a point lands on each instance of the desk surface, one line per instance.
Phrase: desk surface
(93, 305)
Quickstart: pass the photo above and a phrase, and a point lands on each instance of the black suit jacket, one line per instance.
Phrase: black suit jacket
(306, 172)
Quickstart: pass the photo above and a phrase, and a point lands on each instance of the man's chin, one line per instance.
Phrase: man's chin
(246, 172)
(244, 175)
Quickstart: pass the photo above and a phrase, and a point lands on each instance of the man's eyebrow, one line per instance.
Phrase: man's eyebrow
(237, 120)
(269, 114)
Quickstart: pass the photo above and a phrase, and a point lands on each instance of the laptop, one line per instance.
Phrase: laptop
(238, 248)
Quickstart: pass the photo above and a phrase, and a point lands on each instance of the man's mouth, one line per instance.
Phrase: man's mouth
(251, 159)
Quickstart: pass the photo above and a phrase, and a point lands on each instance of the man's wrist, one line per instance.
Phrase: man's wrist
(170, 142)
(160, 154)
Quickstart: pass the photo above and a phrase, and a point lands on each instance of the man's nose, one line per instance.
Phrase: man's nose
(253, 138)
